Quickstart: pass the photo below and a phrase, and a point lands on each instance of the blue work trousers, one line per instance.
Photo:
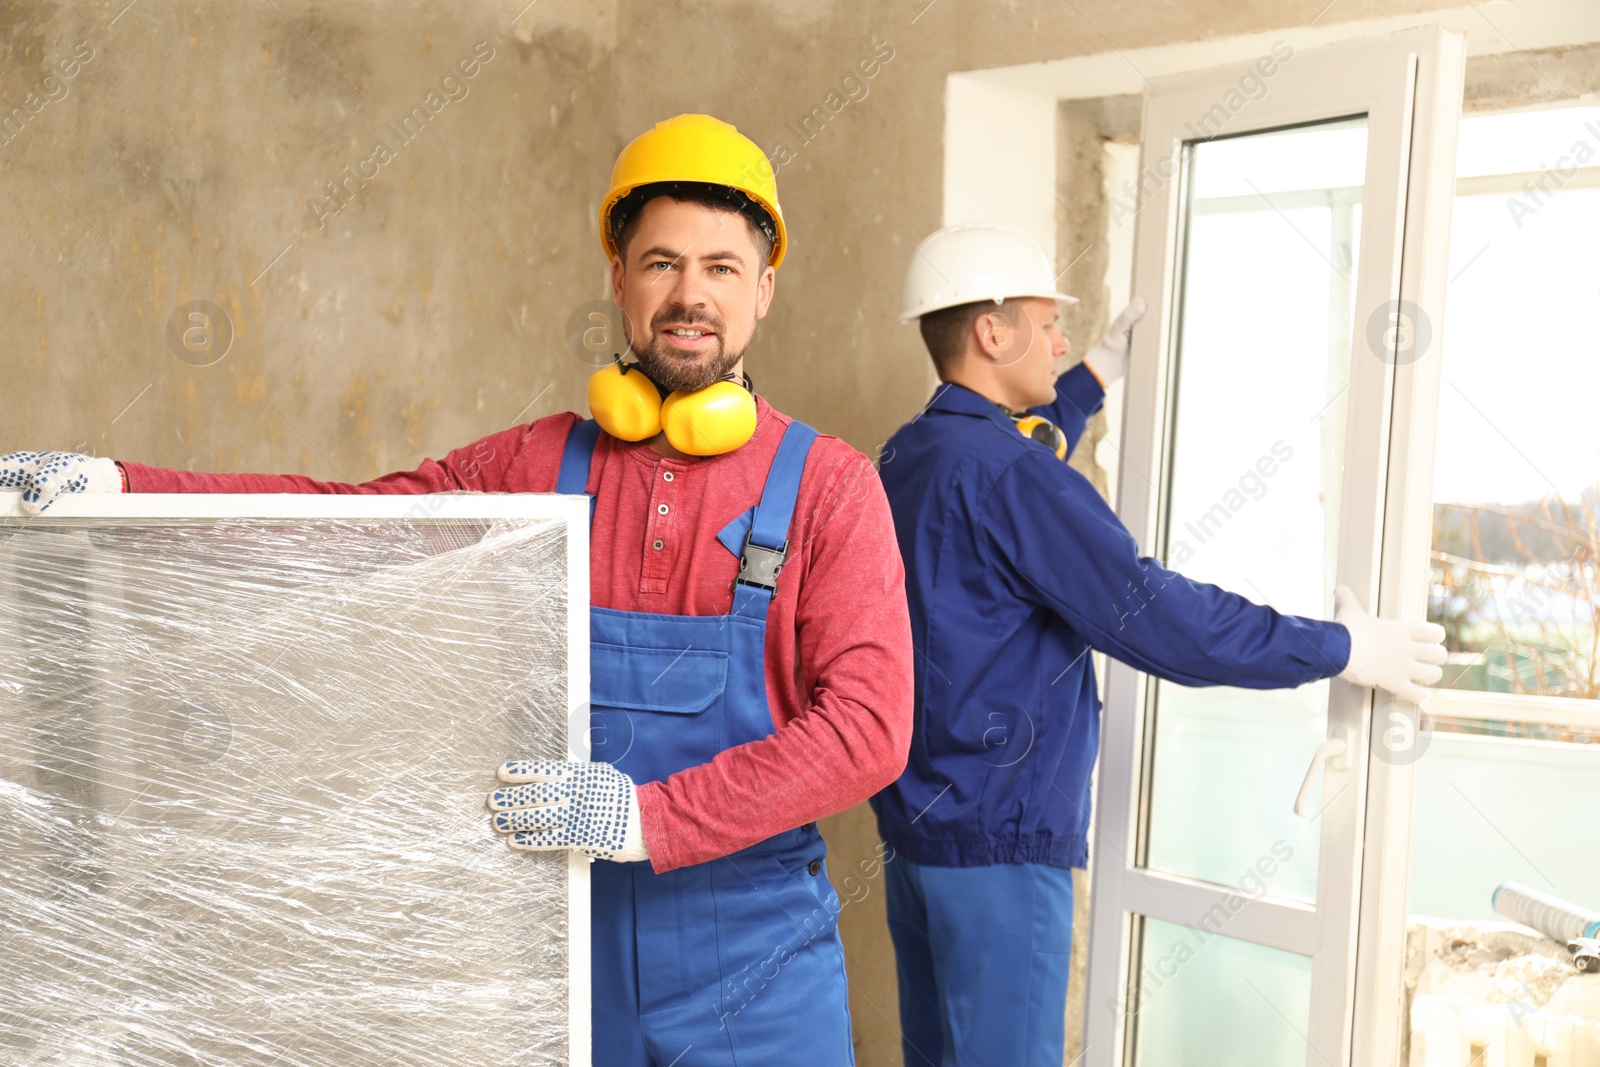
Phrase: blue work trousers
(982, 955)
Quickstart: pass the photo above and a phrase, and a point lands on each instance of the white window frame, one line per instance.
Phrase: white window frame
(572, 512)
(1408, 84)
(1380, 1022)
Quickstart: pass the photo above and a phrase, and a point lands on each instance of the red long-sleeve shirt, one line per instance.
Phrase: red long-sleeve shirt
(838, 652)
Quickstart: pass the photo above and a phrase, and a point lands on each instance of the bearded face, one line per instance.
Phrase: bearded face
(691, 283)
(685, 350)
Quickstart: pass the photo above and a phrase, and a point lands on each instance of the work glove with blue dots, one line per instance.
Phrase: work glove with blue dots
(43, 476)
(550, 805)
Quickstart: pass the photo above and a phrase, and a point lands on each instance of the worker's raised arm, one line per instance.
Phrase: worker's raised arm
(1079, 394)
(481, 466)
(1082, 389)
(854, 661)
(1068, 551)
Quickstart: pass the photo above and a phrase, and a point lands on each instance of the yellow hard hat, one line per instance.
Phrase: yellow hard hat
(695, 148)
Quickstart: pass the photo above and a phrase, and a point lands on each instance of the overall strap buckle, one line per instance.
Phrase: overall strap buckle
(759, 565)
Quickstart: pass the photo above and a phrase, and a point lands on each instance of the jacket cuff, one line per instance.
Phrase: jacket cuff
(135, 477)
(653, 821)
(1337, 646)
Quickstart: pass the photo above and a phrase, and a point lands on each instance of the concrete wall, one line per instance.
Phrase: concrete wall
(188, 159)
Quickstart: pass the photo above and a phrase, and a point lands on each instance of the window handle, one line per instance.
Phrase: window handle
(1332, 752)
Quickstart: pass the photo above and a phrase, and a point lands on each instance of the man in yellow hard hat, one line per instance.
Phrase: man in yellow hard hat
(750, 645)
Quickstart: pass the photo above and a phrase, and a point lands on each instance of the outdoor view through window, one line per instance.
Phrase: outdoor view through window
(1508, 760)
(1517, 476)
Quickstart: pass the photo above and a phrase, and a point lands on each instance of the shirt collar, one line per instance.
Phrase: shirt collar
(956, 399)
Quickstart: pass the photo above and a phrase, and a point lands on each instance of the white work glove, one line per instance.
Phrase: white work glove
(1109, 358)
(43, 476)
(1401, 657)
(552, 805)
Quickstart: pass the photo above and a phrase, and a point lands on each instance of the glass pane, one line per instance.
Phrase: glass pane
(1508, 772)
(1309, 158)
(1258, 444)
(1528, 141)
(1498, 794)
(1517, 474)
(1208, 999)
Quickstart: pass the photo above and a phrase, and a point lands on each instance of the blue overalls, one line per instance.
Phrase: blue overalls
(735, 961)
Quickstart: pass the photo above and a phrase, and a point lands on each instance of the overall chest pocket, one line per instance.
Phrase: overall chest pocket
(672, 680)
(655, 711)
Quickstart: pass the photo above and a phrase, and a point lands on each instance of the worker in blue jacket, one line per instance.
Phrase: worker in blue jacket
(1015, 569)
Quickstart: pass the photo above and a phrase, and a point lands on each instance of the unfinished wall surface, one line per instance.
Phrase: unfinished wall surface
(423, 300)
(393, 245)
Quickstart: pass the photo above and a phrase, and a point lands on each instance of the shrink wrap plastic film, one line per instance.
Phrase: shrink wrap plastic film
(243, 766)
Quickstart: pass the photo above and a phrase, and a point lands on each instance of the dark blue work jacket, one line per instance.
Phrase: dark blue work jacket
(1015, 569)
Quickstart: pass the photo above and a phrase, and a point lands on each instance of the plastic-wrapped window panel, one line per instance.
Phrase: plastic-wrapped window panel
(245, 743)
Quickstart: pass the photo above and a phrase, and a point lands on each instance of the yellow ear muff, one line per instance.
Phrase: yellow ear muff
(1044, 431)
(710, 421)
(625, 403)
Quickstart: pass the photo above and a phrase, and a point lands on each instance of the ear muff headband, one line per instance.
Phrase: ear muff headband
(706, 422)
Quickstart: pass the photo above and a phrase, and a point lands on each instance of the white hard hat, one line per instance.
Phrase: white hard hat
(964, 264)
